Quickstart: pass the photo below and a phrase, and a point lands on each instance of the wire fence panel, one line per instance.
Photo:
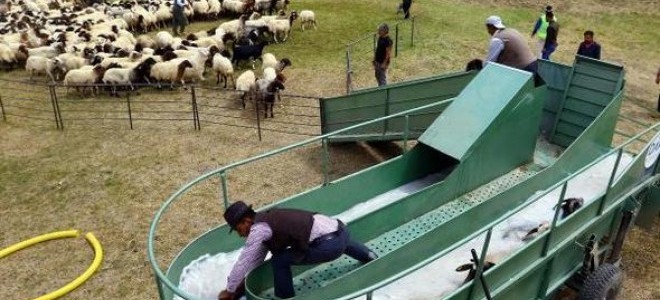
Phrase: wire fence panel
(360, 72)
(148, 106)
(28, 103)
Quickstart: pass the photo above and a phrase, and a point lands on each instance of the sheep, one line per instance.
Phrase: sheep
(47, 51)
(265, 91)
(171, 71)
(7, 55)
(247, 52)
(536, 231)
(269, 74)
(570, 205)
(198, 60)
(245, 83)
(43, 65)
(200, 7)
(472, 267)
(237, 27)
(84, 76)
(282, 27)
(214, 8)
(307, 17)
(222, 66)
(73, 61)
(127, 76)
(164, 39)
(269, 61)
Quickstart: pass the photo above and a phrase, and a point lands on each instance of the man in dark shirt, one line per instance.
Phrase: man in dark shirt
(551, 39)
(382, 55)
(405, 5)
(589, 48)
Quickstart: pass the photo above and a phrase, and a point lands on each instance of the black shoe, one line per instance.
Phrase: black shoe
(372, 256)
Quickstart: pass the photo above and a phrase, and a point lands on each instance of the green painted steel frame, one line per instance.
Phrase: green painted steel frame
(230, 242)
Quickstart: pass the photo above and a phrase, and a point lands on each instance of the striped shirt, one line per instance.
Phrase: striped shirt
(254, 252)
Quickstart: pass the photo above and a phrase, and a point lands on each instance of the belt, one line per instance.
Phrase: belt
(329, 236)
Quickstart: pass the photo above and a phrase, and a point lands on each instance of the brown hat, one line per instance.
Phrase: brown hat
(235, 212)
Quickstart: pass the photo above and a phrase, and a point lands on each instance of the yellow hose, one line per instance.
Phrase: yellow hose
(38, 239)
(91, 239)
(98, 257)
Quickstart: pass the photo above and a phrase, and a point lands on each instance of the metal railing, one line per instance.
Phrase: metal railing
(363, 53)
(163, 282)
(222, 173)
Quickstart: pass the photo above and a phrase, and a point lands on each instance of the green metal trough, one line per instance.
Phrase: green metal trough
(483, 143)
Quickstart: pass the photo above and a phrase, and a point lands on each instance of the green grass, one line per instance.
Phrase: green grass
(110, 180)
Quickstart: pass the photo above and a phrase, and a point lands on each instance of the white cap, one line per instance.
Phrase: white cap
(495, 21)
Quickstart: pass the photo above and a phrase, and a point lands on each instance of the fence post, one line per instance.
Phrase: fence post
(609, 183)
(52, 102)
(256, 109)
(325, 162)
(349, 72)
(412, 33)
(196, 123)
(396, 40)
(2, 110)
(480, 267)
(130, 114)
(57, 106)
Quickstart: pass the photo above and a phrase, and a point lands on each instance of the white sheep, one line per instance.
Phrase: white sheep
(164, 39)
(307, 17)
(270, 61)
(201, 8)
(47, 51)
(6, 54)
(223, 67)
(214, 8)
(171, 71)
(245, 83)
(36, 65)
(282, 27)
(87, 75)
(269, 74)
(73, 61)
(119, 76)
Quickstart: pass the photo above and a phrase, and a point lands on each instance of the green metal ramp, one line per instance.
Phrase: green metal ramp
(498, 103)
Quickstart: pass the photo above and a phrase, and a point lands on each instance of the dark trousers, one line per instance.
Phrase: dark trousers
(406, 8)
(381, 75)
(318, 252)
(547, 50)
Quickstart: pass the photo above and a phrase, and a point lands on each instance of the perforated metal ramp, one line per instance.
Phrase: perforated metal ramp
(324, 273)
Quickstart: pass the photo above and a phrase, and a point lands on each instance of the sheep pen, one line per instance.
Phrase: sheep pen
(111, 180)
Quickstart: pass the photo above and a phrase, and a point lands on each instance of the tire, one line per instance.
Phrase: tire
(604, 283)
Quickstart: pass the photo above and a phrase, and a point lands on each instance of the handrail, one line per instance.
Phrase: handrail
(153, 226)
(222, 171)
(491, 225)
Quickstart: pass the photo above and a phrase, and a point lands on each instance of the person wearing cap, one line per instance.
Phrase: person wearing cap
(294, 237)
(382, 54)
(541, 29)
(508, 47)
(551, 38)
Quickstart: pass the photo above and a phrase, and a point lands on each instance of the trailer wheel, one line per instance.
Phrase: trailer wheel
(603, 283)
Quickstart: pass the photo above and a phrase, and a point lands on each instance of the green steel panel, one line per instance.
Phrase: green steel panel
(569, 129)
(344, 111)
(589, 81)
(587, 92)
(582, 107)
(486, 98)
(576, 118)
(606, 73)
(592, 96)
(556, 77)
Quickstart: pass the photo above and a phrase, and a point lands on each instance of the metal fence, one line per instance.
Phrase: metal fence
(360, 53)
(41, 104)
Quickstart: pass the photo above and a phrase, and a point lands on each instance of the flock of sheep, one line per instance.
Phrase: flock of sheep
(94, 45)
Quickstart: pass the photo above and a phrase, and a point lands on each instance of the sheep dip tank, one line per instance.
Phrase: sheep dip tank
(496, 177)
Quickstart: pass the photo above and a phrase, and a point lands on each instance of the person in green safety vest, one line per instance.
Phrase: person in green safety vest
(541, 30)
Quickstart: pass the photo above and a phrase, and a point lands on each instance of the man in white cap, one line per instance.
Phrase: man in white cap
(508, 47)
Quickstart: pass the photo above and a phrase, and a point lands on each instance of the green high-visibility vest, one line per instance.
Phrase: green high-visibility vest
(543, 30)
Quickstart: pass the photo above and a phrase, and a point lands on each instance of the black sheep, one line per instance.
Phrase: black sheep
(247, 52)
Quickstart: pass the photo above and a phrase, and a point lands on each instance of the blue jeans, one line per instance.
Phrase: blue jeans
(547, 50)
(324, 251)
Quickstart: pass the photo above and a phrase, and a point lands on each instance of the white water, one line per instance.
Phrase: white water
(207, 276)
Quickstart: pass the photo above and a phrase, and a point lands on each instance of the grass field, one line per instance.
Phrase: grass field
(111, 181)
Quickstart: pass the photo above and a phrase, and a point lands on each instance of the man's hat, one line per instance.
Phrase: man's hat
(495, 21)
(235, 213)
